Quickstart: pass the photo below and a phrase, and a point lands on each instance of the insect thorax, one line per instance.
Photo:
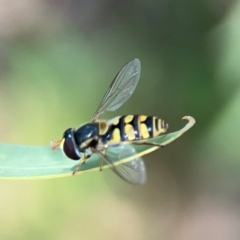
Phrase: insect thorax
(86, 135)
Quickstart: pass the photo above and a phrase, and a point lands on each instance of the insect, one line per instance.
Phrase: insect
(113, 140)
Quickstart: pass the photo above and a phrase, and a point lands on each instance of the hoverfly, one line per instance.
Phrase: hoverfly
(113, 140)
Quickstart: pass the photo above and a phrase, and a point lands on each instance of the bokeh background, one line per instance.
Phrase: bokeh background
(57, 59)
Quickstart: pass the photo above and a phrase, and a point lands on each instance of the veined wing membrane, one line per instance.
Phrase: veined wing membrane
(133, 171)
(121, 88)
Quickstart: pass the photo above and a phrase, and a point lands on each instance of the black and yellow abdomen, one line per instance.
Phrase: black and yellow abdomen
(134, 127)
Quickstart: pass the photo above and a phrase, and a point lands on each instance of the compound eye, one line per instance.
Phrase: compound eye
(70, 150)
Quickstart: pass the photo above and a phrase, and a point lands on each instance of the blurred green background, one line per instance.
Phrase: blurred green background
(57, 60)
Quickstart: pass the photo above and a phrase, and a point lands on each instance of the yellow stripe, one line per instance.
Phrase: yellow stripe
(142, 118)
(144, 130)
(160, 128)
(128, 118)
(116, 135)
(116, 121)
(86, 143)
(130, 132)
(154, 126)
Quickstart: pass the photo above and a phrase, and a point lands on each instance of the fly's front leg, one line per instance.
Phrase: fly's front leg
(82, 161)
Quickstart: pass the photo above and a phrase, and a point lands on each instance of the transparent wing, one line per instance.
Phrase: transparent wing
(121, 88)
(134, 171)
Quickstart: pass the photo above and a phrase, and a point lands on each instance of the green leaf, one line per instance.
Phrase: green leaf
(24, 162)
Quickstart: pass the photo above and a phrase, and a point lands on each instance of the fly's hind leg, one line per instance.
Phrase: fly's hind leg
(82, 161)
(101, 160)
(103, 152)
(148, 143)
(101, 163)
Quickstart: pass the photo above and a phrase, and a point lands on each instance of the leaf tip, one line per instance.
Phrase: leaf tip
(191, 120)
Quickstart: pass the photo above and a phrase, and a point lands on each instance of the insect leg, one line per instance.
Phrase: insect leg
(133, 171)
(101, 163)
(83, 160)
(102, 153)
(141, 143)
(103, 156)
(148, 143)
